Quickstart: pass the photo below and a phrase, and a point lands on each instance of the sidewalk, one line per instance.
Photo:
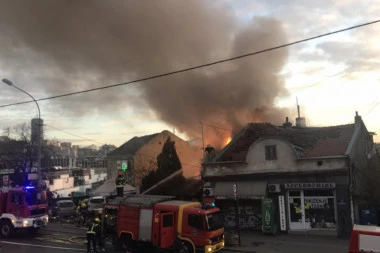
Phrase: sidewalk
(284, 243)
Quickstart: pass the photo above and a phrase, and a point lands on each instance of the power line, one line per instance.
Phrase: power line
(229, 130)
(73, 134)
(199, 66)
(83, 138)
(191, 165)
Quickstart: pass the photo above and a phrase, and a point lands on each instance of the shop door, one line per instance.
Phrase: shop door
(296, 209)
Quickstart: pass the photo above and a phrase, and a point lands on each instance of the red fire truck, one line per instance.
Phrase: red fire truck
(364, 239)
(164, 222)
(22, 208)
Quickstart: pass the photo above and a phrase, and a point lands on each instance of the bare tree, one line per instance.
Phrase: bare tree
(16, 150)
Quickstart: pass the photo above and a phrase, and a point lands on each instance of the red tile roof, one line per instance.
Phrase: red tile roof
(309, 141)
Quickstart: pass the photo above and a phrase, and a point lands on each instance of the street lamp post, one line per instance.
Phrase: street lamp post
(6, 81)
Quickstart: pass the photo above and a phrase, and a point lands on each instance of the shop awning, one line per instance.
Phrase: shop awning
(245, 190)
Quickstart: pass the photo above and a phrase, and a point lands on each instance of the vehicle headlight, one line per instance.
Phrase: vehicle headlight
(25, 222)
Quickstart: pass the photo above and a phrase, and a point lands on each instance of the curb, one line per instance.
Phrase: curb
(238, 250)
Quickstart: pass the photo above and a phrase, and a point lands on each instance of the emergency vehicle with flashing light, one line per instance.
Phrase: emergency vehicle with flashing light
(364, 239)
(24, 208)
(165, 223)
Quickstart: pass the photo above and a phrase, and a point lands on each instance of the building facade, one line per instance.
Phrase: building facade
(139, 156)
(319, 178)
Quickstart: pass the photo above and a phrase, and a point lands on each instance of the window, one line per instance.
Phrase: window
(17, 198)
(167, 220)
(195, 221)
(270, 152)
(214, 221)
(67, 204)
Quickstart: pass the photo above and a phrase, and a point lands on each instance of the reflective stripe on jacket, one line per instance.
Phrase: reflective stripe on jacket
(91, 230)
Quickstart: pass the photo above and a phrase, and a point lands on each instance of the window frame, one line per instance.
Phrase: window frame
(271, 152)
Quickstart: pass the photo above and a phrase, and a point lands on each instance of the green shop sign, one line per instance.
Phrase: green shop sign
(268, 216)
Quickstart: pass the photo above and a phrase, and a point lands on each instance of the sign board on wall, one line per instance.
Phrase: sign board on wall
(281, 209)
(309, 185)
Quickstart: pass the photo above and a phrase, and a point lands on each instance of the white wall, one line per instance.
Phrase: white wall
(65, 184)
(61, 183)
(286, 161)
(286, 156)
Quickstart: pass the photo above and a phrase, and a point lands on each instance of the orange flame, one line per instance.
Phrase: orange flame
(228, 140)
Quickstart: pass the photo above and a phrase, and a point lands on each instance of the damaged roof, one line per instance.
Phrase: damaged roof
(178, 186)
(133, 145)
(308, 142)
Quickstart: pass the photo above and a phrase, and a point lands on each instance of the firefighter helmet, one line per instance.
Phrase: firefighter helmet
(97, 220)
(83, 205)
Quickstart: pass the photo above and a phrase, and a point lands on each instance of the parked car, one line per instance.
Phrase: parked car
(64, 208)
(96, 203)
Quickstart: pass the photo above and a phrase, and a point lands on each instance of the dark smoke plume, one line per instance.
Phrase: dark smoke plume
(66, 46)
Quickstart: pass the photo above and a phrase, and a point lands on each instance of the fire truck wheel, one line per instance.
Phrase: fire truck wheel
(185, 247)
(6, 228)
(126, 242)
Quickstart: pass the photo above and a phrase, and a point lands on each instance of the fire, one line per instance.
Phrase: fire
(228, 140)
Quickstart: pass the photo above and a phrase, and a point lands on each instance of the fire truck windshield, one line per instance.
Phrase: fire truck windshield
(214, 221)
(34, 197)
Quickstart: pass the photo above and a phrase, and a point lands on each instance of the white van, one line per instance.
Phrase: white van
(96, 203)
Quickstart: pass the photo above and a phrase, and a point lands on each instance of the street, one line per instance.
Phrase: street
(58, 238)
(288, 243)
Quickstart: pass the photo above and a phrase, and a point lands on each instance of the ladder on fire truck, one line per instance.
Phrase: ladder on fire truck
(140, 200)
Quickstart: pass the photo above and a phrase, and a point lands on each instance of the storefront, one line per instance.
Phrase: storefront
(246, 199)
(311, 206)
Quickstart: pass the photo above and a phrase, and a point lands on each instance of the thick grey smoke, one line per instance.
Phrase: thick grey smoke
(67, 46)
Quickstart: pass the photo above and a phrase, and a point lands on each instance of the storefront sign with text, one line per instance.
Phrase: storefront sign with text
(281, 207)
(309, 185)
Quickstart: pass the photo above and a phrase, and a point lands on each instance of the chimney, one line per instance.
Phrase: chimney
(300, 121)
(210, 153)
(287, 124)
(357, 117)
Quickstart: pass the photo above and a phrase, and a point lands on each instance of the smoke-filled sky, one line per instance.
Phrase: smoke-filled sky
(51, 47)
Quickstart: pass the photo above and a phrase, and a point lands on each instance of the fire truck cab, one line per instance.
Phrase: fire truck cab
(168, 223)
(22, 208)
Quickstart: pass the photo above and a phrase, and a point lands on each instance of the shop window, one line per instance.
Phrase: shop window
(295, 210)
(320, 212)
(294, 193)
(195, 221)
(318, 193)
(270, 152)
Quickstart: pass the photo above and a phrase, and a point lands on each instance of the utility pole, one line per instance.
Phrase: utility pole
(203, 142)
(237, 212)
(10, 83)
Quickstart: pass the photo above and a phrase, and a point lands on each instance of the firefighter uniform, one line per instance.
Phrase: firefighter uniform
(93, 234)
(120, 185)
(82, 213)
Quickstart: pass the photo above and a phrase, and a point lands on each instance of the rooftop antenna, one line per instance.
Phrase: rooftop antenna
(298, 108)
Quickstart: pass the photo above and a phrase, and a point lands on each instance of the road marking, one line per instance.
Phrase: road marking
(41, 246)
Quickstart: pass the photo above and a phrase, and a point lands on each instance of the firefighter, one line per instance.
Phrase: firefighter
(82, 214)
(120, 184)
(93, 233)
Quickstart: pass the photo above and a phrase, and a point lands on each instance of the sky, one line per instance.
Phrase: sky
(50, 48)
